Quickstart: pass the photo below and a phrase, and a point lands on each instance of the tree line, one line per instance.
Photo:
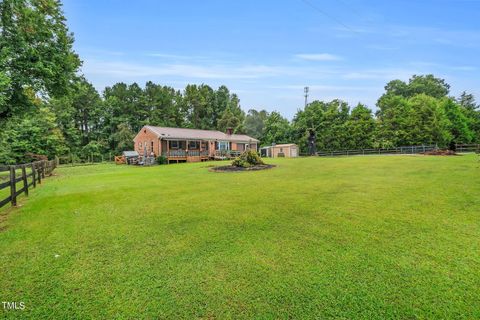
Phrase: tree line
(48, 108)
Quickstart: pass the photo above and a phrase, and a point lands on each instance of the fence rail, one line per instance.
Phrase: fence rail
(461, 148)
(467, 148)
(38, 171)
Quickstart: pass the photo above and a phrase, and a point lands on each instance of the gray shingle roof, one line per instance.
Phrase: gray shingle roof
(183, 133)
(129, 154)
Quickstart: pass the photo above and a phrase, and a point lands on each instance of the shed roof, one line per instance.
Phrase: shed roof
(129, 154)
(281, 145)
(183, 133)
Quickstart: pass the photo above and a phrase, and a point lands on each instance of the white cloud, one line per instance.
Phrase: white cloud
(385, 74)
(189, 71)
(318, 57)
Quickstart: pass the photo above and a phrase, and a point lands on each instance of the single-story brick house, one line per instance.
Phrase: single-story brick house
(191, 145)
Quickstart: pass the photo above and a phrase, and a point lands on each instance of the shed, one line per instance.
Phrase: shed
(131, 157)
(287, 150)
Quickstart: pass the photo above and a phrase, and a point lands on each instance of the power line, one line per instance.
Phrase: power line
(326, 14)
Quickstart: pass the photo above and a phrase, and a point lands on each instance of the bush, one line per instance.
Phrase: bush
(247, 159)
(162, 160)
(92, 151)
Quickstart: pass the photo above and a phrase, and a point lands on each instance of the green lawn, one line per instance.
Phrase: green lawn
(376, 237)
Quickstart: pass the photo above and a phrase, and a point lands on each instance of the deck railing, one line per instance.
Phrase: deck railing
(185, 153)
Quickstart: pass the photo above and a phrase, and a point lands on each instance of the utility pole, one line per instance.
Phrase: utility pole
(305, 90)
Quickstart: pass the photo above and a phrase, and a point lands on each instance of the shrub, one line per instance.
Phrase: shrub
(162, 160)
(247, 159)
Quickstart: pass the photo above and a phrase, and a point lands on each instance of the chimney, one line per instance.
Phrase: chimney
(229, 131)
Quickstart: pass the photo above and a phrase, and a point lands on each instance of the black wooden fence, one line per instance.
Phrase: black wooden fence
(460, 148)
(398, 150)
(37, 171)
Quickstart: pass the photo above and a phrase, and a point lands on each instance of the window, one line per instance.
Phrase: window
(151, 146)
(192, 144)
(140, 145)
(174, 144)
(223, 145)
(281, 149)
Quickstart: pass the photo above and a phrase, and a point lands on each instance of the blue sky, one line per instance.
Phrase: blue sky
(267, 51)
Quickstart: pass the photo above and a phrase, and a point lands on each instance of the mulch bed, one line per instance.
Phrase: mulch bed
(238, 169)
(440, 153)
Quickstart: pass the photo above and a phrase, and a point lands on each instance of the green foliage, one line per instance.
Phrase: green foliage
(93, 151)
(199, 104)
(428, 122)
(428, 85)
(35, 133)
(247, 159)
(421, 113)
(35, 52)
(360, 128)
(277, 129)
(471, 111)
(163, 106)
(4, 89)
(162, 160)
(232, 117)
(80, 114)
(424, 84)
(418, 120)
(328, 120)
(123, 138)
(459, 125)
(255, 123)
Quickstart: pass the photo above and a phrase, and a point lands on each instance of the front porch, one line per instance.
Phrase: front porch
(186, 155)
(199, 150)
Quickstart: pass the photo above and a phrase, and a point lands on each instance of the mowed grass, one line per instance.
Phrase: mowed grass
(375, 237)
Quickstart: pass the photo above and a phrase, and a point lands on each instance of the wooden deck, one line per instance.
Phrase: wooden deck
(186, 156)
(177, 156)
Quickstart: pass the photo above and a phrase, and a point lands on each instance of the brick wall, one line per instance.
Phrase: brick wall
(146, 136)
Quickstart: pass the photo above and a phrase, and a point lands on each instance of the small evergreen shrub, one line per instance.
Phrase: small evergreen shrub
(247, 159)
(162, 160)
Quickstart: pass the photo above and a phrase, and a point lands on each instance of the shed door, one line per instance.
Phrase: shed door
(293, 152)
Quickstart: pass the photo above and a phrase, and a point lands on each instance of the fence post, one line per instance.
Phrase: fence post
(43, 169)
(34, 176)
(13, 186)
(25, 180)
(39, 171)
